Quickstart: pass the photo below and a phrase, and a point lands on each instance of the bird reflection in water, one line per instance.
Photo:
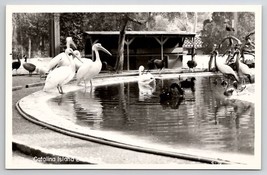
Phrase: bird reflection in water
(172, 103)
(146, 90)
(172, 97)
(88, 109)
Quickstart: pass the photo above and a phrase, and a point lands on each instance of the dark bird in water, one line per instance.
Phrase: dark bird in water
(224, 83)
(229, 92)
(28, 66)
(16, 64)
(172, 96)
(188, 84)
(170, 93)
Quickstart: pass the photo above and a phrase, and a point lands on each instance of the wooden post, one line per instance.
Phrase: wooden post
(162, 41)
(234, 22)
(193, 49)
(30, 48)
(195, 23)
(54, 35)
(128, 42)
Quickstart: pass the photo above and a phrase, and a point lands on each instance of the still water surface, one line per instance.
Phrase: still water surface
(204, 119)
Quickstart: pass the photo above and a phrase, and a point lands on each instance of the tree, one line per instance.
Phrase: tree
(214, 30)
(125, 19)
(30, 33)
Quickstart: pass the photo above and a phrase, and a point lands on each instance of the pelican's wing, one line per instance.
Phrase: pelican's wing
(82, 71)
(56, 77)
(55, 61)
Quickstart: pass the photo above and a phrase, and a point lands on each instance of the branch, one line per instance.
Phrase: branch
(140, 22)
(230, 38)
(249, 34)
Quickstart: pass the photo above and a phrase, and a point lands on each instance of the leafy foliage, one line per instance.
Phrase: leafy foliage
(214, 30)
(35, 27)
(30, 26)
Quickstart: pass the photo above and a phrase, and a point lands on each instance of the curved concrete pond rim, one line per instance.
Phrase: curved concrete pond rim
(106, 141)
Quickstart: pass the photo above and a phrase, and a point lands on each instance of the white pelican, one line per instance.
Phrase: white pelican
(78, 63)
(61, 59)
(90, 69)
(145, 77)
(61, 75)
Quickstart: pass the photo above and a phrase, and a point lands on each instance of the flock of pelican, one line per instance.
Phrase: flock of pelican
(64, 66)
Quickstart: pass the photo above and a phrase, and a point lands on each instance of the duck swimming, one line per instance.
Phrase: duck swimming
(174, 91)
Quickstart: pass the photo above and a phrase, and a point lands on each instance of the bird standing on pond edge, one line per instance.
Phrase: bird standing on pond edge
(160, 64)
(61, 75)
(242, 69)
(28, 66)
(90, 69)
(192, 63)
(16, 64)
(61, 59)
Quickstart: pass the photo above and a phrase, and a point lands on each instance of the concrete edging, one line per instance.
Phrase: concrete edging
(46, 156)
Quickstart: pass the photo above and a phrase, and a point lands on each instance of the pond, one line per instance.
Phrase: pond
(204, 119)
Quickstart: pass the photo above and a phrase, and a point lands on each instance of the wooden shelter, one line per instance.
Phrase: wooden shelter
(140, 46)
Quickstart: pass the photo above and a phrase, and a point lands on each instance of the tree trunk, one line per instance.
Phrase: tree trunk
(195, 23)
(120, 58)
(14, 39)
(30, 48)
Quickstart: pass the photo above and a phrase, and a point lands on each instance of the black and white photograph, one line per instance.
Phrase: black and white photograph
(133, 87)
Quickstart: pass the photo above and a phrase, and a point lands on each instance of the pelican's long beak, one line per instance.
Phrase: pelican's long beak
(76, 56)
(105, 50)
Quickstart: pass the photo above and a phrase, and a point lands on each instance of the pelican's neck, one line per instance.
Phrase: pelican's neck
(97, 58)
(68, 45)
(140, 72)
(72, 63)
(237, 62)
(215, 60)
